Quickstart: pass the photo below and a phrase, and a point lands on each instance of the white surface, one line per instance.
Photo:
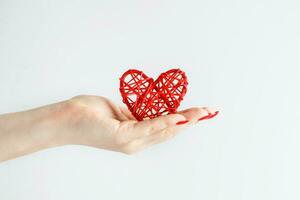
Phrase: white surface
(240, 56)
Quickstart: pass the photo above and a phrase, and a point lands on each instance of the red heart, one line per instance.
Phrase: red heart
(146, 98)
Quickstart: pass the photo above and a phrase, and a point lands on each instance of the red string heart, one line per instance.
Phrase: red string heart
(146, 98)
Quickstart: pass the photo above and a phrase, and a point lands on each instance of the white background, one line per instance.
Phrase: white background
(240, 56)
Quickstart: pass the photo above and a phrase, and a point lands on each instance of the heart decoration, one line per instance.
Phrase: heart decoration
(146, 98)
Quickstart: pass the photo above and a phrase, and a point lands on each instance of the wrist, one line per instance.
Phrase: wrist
(49, 125)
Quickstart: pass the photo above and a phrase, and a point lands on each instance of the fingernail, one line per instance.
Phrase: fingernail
(209, 116)
(182, 122)
(213, 115)
(205, 117)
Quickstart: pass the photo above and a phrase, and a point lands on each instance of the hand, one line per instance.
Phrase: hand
(89, 120)
(98, 122)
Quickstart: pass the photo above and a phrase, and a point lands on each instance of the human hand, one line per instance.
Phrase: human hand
(98, 122)
(92, 121)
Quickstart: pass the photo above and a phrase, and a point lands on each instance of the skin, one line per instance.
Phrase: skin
(89, 120)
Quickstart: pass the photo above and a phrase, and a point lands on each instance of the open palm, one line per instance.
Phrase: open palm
(97, 121)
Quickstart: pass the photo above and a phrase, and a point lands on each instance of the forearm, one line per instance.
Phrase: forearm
(92, 121)
(29, 131)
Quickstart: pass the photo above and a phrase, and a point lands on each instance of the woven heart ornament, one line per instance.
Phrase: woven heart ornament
(146, 98)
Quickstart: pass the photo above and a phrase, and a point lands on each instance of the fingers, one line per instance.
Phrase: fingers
(132, 129)
(159, 123)
(193, 115)
(148, 127)
(139, 135)
(211, 113)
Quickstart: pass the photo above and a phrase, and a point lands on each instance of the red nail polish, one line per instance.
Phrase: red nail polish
(209, 116)
(205, 117)
(182, 122)
(213, 115)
